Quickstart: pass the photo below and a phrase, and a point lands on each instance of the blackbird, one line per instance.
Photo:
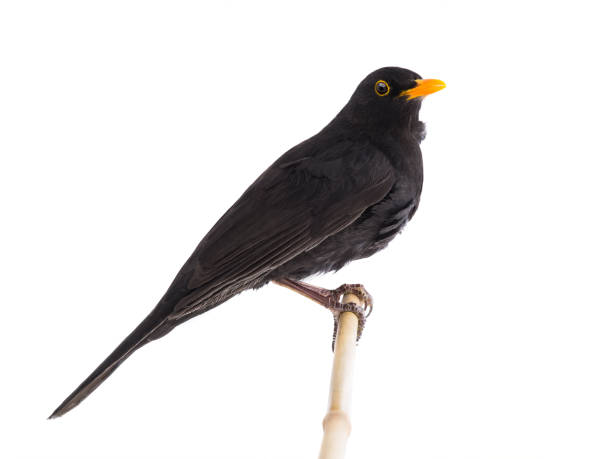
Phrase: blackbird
(339, 196)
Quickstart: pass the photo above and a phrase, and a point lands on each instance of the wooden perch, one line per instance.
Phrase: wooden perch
(337, 424)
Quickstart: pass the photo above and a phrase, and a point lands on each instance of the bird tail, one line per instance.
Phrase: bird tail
(152, 327)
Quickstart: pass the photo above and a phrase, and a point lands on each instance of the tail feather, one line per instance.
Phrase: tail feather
(152, 327)
(157, 324)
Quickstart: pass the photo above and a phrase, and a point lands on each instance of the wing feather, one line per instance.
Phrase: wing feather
(290, 209)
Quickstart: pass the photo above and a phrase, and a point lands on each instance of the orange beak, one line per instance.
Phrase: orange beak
(423, 88)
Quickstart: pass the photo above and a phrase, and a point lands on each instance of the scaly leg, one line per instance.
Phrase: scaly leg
(331, 299)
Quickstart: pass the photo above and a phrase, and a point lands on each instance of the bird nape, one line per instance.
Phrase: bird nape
(339, 196)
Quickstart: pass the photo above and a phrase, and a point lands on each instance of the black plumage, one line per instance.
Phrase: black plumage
(339, 196)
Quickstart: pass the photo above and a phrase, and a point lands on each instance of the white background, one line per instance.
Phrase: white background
(126, 130)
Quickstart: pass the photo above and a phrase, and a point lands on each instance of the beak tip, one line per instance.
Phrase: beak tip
(436, 85)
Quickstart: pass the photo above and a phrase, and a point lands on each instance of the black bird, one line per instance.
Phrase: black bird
(339, 196)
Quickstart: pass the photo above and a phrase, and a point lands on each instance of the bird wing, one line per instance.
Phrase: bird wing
(292, 207)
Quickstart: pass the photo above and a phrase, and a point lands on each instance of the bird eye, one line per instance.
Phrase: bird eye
(382, 88)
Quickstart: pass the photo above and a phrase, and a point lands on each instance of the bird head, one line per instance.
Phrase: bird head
(390, 96)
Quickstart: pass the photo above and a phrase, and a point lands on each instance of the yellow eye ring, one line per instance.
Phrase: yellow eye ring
(382, 88)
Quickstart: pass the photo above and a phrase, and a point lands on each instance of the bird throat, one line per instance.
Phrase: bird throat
(417, 129)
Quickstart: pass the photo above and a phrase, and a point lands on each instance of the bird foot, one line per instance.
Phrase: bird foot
(332, 300)
(337, 307)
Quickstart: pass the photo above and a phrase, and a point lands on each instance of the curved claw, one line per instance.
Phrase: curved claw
(362, 312)
(357, 290)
